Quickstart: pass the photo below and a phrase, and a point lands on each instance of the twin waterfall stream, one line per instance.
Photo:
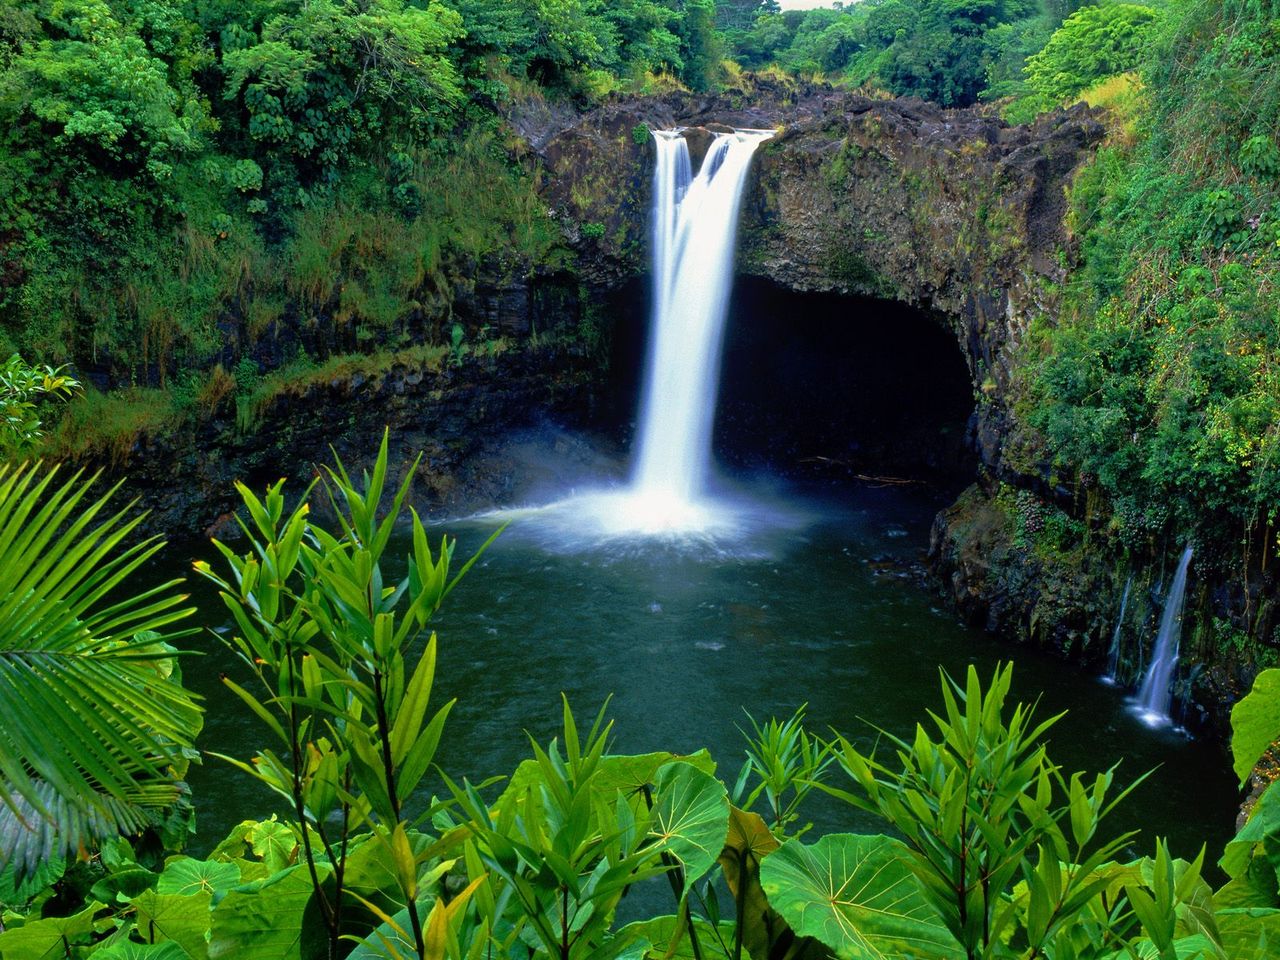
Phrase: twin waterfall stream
(695, 227)
(668, 496)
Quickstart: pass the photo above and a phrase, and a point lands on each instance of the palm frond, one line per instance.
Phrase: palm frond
(94, 732)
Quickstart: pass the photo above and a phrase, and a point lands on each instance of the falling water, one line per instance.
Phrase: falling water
(695, 226)
(1113, 660)
(1154, 695)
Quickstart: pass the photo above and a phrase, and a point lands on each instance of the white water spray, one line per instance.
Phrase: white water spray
(1155, 694)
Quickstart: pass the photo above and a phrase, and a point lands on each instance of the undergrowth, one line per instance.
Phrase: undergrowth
(1160, 382)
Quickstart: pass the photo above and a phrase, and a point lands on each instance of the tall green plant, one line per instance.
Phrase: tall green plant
(98, 729)
(328, 633)
(786, 763)
(983, 809)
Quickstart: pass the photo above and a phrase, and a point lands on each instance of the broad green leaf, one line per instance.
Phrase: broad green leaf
(184, 919)
(749, 841)
(1263, 823)
(186, 875)
(691, 817)
(268, 919)
(1255, 887)
(274, 843)
(1255, 722)
(1250, 934)
(370, 870)
(46, 939)
(857, 895)
(666, 938)
(123, 883)
(625, 772)
(236, 843)
(127, 950)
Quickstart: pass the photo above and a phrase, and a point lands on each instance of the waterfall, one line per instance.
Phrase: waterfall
(1113, 659)
(694, 229)
(695, 225)
(1154, 696)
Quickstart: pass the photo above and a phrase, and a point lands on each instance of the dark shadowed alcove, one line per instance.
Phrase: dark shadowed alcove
(822, 385)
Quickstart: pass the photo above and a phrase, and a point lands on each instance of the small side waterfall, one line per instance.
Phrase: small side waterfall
(1154, 696)
(1113, 658)
(695, 226)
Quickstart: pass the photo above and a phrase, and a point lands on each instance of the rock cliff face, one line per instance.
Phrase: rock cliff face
(952, 212)
(460, 409)
(963, 218)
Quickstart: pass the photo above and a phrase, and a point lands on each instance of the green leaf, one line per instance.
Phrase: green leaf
(123, 883)
(274, 843)
(267, 918)
(857, 895)
(184, 919)
(1255, 722)
(127, 950)
(186, 876)
(625, 772)
(46, 939)
(666, 938)
(1263, 824)
(413, 709)
(95, 721)
(1250, 934)
(691, 817)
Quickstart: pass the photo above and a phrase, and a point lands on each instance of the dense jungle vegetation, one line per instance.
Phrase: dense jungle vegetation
(171, 170)
(997, 852)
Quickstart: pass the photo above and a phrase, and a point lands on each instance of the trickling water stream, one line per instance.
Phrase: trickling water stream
(1156, 694)
(1113, 658)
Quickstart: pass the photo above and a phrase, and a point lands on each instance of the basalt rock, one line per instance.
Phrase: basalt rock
(457, 417)
(951, 211)
(963, 217)
(521, 363)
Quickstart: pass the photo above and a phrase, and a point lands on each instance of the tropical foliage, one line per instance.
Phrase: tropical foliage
(98, 729)
(166, 166)
(325, 632)
(954, 52)
(1158, 384)
(1092, 44)
(22, 387)
(999, 853)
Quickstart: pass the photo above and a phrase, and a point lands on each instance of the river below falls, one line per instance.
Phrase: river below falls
(823, 609)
